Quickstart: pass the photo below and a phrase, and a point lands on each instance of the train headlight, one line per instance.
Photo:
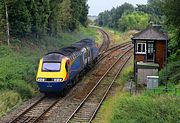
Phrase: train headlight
(58, 80)
(40, 80)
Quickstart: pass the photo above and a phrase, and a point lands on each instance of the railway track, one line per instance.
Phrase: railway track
(106, 41)
(102, 55)
(34, 113)
(89, 106)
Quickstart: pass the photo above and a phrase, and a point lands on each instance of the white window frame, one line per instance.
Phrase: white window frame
(141, 48)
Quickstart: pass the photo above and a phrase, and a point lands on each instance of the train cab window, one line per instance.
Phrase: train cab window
(51, 67)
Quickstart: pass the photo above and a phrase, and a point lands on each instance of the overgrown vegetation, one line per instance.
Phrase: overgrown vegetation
(123, 108)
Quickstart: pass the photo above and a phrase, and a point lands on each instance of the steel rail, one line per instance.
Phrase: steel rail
(106, 93)
(106, 41)
(103, 55)
(84, 100)
(35, 119)
(46, 111)
(28, 109)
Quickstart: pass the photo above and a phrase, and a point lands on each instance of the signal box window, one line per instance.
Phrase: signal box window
(141, 48)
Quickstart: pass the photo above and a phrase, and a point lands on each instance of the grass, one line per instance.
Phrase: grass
(143, 109)
(106, 111)
(8, 99)
(123, 108)
(126, 73)
(19, 63)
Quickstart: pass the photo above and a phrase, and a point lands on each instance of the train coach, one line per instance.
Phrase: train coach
(61, 69)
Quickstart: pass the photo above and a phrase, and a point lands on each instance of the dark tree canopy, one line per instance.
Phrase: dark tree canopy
(42, 17)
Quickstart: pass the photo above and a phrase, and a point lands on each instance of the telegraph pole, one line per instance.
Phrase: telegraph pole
(7, 24)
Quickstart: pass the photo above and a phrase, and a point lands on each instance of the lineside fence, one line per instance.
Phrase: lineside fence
(163, 91)
(156, 91)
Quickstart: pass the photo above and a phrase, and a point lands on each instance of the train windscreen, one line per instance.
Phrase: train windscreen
(51, 67)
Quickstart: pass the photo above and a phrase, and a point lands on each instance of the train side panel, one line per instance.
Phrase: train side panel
(95, 53)
(76, 67)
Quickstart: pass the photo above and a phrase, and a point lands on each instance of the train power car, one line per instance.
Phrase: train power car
(60, 69)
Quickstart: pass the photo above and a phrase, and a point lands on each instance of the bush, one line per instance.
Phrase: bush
(133, 21)
(142, 109)
(14, 72)
(20, 86)
(172, 72)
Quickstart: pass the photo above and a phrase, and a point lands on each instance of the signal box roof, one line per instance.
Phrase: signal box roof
(151, 33)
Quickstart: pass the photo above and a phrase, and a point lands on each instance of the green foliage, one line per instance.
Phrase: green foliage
(150, 12)
(8, 99)
(142, 109)
(19, 18)
(171, 10)
(133, 21)
(171, 72)
(13, 70)
(41, 17)
(110, 18)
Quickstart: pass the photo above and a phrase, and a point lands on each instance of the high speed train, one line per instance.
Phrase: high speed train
(62, 68)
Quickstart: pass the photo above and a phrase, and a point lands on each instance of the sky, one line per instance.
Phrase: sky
(97, 6)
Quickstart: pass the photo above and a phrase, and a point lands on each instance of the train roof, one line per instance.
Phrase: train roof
(52, 57)
(76, 47)
(88, 41)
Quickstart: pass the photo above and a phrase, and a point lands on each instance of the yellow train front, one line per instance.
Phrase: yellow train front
(60, 69)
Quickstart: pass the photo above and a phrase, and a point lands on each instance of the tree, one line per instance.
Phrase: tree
(111, 18)
(19, 18)
(133, 21)
(171, 10)
(40, 12)
(84, 13)
(65, 15)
